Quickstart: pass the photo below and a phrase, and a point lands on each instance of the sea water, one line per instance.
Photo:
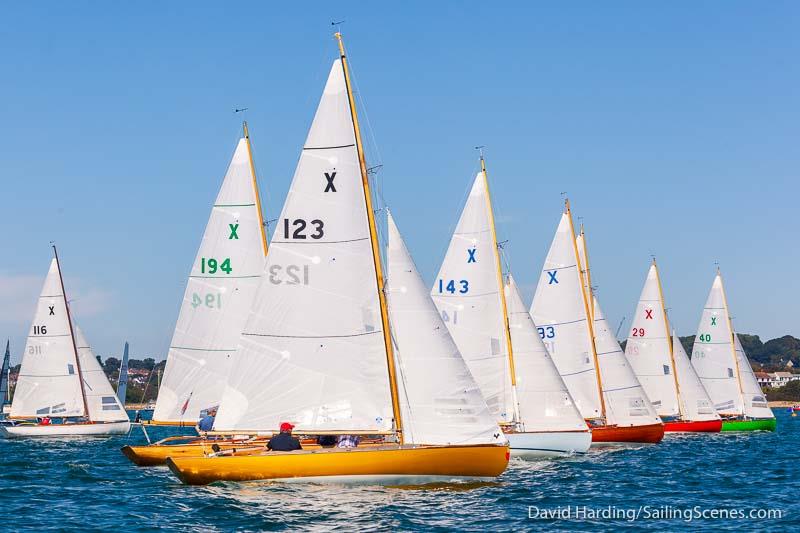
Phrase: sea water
(727, 482)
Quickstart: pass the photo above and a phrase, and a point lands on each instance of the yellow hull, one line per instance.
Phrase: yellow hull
(385, 464)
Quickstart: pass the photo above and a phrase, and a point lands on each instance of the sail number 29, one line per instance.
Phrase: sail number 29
(211, 265)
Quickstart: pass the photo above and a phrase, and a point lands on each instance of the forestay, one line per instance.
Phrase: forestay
(560, 311)
(104, 406)
(713, 354)
(48, 383)
(217, 299)
(695, 403)
(467, 294)
(625, 399)
(441, 402)
(312, 351)
(755, 403)
(648, 348)
(545, 404)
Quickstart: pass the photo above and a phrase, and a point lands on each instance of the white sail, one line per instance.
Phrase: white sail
(217, 299)
(695, 403)
(755, 403)
(467, 294)
(559, 310)
(312, 351)
(104, 406)
(648, 348)
(48, 383)
(713, 356)
(441, 402)
(545, 404)
(626, 402)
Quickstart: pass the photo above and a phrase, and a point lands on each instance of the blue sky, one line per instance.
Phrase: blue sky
(673, 127)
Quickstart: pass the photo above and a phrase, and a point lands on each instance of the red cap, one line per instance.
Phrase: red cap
(286, 426)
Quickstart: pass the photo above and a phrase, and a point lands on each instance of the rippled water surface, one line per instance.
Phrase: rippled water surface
(88, 484)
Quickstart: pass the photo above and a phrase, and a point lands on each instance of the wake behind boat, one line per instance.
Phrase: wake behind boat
(62, 389)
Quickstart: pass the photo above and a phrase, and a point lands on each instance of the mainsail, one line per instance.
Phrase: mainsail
(4, 376)
(649, 350)
(313, 350)
(468, 294)
(560, 309)
(441, 401)
(695, 403)
(218, 296)
(104, 406)
(714, 356)
(122, 381)
(49, 383)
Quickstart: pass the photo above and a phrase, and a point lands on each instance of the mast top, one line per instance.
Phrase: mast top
(566, 204)
(338, 37)
(245, 130)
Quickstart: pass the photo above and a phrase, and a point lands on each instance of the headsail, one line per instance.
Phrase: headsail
(441, 401)
(467, 293)
(218, 296)
(48, 383)
(545, 404)
(754, 401)
(122, 381)
(4, 376)
(713, 354)
(695, 403)
(312, 351)
(626, 402)
(649, 350)
(104, 406)
(559, 309)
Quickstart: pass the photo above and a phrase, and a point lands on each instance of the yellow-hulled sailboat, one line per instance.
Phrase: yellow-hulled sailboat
(218, 296)
(331, 348)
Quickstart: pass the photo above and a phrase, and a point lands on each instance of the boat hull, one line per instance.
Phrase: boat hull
(761, 424)
(697, 426)
(385, 465)
(64, 430)
(613, 435)
(156, 454)
(549, 444)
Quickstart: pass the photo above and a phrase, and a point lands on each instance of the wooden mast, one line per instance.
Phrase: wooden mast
(588, 271)
(586, 304)
(501, 290)
(669, 341)
(255, 188)
(733, 342)
(376, 256)
(72, 336)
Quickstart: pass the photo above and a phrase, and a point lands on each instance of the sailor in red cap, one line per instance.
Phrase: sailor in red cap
(284, 441)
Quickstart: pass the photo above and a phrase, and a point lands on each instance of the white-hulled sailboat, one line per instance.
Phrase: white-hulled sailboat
(61, 389)
(720, 362)
(678, 396)
(216, 302)
(584, 349)
(318, 352)
(484, 312)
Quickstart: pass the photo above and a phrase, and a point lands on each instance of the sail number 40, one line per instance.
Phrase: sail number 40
(705, 337)
(450, 286)
(211, 265)
(210, 300)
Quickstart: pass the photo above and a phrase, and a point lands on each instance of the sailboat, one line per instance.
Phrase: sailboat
(484, 312)
(720, 362)
(663, 368)
(5, 376)
(217, 299)
(62, 389)
(122, 380)
(584, 349)
(327, 354)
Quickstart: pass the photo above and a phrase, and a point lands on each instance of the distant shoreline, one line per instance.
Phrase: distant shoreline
(782, 404)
